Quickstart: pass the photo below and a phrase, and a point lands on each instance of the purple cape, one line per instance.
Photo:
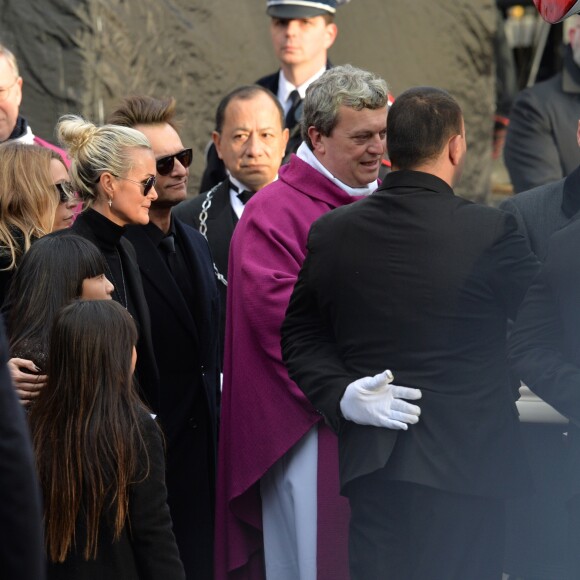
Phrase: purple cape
(264, 413)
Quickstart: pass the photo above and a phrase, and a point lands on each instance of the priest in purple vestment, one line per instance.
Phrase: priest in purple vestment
(279, 513)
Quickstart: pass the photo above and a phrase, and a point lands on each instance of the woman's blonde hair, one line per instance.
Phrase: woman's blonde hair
(94, 150)
(28, 197)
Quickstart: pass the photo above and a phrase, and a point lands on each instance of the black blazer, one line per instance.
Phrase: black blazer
(146, 371)
(185, 345)
(422, 282)
(541, 145)
(146, 548)
(545, 343)
(221, 222)
(542, 211)
(185, 339)
(21, 541)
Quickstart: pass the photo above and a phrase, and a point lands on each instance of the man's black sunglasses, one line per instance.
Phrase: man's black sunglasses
(165, 164)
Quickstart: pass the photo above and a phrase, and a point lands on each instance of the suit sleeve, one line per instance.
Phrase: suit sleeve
(510, 207)
(154, 545)
(21, 544)
(309, 349)
(530, 153)
(515, 266)
(535, 349)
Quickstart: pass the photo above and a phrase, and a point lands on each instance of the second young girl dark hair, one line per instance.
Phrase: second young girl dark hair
(86, 427)
(50, 276)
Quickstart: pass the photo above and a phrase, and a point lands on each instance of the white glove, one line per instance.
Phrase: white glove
(376, 401)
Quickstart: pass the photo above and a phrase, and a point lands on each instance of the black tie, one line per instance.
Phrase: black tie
(291, 119)
(243, 195)
(168, 245)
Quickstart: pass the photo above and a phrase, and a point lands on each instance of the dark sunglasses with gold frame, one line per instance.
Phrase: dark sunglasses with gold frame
(165, 164)
(148, 184)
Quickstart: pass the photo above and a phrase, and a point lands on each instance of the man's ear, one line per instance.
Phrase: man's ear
(455, 147)
(217, 139)
(285, 137)
(316, 140)
(19, 89)
(331, 32)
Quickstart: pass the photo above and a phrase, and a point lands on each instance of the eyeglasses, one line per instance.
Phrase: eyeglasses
(5, 91)
(147, 184)
(65, 191)
(165, 164)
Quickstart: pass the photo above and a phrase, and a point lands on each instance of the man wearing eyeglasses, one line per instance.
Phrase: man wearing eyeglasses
(14, 127)
(183, 300)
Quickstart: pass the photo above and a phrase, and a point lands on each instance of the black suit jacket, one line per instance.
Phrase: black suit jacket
(541, 144)
(544, 210)
(21, 542)
(146, 371)
(545, 343)
(422, 282)
(221, 222)
(185, 344)
(185, 339)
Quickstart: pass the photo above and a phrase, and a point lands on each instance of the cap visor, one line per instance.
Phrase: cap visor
(292, 12)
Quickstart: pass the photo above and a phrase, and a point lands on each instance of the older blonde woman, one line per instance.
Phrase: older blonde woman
(113, 172)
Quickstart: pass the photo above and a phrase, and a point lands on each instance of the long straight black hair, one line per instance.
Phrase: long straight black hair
(49, 277)
(85, 426)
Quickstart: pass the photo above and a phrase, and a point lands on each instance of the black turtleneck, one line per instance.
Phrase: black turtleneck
(106, 235)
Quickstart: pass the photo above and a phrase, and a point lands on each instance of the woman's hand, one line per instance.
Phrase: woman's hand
(26, 384)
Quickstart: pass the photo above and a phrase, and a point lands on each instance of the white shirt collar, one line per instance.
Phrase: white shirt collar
(305, 153)
(235, 201)
(285, 87)
(27, 138)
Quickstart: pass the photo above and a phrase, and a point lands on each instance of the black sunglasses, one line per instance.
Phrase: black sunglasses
(147, 183)
(65, 191)
(165, 164)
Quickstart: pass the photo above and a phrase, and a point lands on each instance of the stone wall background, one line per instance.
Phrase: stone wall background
(83, 56)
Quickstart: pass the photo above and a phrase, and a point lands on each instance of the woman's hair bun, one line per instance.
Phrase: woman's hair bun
(74, 133)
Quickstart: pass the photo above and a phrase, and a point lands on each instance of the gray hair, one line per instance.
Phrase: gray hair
(340, 86)
(94, 150)
(9, 56)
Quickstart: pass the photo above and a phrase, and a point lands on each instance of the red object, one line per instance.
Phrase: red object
(553, 11)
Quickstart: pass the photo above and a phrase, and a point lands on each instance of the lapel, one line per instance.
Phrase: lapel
(155, 270)
(571, 194)
(206, 292)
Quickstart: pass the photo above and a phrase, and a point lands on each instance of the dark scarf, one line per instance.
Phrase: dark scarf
(19, 129)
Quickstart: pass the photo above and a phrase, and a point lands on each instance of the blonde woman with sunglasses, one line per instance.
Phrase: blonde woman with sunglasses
(113, 172)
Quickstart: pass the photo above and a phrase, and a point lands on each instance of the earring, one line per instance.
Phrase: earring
(110, 202)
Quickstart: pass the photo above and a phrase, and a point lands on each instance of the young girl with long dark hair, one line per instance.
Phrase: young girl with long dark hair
(55, 271)
(100, 455)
